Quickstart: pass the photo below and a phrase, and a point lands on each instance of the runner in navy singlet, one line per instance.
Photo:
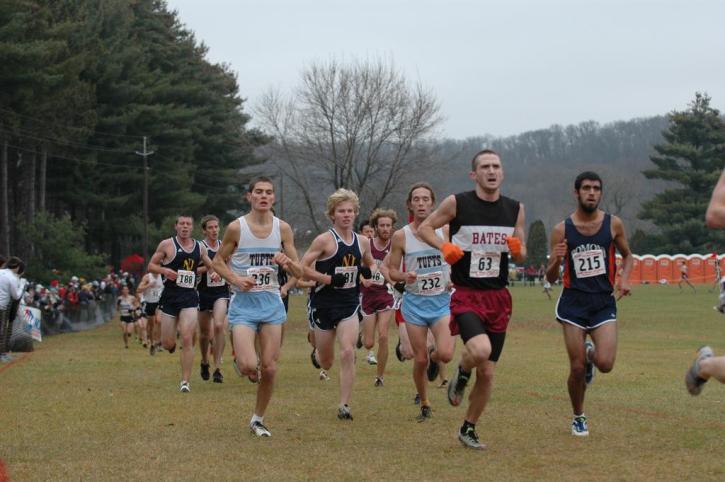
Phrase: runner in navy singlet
(213, 300)
(485, 229)
(586, 243)
(335, 261)
(177, 260)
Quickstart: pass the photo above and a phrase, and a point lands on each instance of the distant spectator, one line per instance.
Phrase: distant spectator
(12, 287)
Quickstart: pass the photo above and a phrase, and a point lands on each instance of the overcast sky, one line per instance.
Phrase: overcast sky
(499, 67)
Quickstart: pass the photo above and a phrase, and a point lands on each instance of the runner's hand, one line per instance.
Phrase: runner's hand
(451, 253)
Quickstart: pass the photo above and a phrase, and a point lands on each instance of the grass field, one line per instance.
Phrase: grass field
(81, 407)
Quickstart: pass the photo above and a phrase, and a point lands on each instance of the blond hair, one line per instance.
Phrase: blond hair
(383, 213)
(340, 196)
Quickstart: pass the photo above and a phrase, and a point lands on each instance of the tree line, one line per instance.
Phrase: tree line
(83, 82)
(89, 88)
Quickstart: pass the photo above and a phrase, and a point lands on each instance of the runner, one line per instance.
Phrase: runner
(586, 243)
(707, 365)
(427, 294)
(338, 256)
(255, 244)
(126, 305)
(177, 259)
(684, 277)
(150, 289)
(213, 299)
(377, 300)
(485, 229)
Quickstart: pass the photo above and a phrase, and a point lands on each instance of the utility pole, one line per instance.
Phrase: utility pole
(145, 154)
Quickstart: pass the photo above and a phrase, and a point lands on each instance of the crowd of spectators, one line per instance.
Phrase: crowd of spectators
(77, 300)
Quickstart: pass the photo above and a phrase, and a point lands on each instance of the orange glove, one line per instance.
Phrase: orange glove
(514, 245)
(451, 253)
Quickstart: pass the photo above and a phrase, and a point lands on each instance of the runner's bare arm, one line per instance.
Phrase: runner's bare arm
(395, 256)
(158, 257)
(715, 215)
(438, 218)
(315, 251)
(519, 233)
(557, 251)
(292, 265)
(620, 241)
(219, 264)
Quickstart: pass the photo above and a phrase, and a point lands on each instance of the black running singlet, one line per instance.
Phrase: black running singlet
(185, 264)
(346, 260)
(481, 228)
(590, 264)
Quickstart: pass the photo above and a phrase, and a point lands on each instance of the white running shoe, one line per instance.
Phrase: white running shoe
(259, 430)
(184, 387)
(371, 359)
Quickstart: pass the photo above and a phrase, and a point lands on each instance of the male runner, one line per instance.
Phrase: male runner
(707, 365)
(586, 242)
(150, 289)
(177, 259)
(213, 299)
(427, 293)
(257, 243)
(339, 257)
(684, 277)
(485, 228)
(377, 300)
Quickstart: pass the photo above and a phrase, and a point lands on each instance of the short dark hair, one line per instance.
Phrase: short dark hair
(257, 180)
(15, 262)
(589, 176)
(207, 218)
(481, 153)
(3, 259)
(183, 216)
(363, 223)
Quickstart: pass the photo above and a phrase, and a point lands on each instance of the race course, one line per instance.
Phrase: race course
(81, 407)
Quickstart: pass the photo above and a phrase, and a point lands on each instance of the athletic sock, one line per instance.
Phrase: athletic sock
(256, 418)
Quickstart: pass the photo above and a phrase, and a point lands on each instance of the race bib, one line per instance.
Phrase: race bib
(185, 279)
(430, 283)
(589, 263)
(214, 284)
(265, 278)
(484, 264)
(154, 293)
(378, 278)
(350, 273)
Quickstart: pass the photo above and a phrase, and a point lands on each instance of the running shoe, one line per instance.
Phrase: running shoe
(172, 349)
(457, 387)
(579, 426)
(378, 381)
(152, 349)
(469, 438)
(217, 377)
(425, 414)
(693, 381)
(589, 373)
(205, 371)
(371, 359)
(258, 429)
(323, 375)
(343, 413)
(313, 359)
(433, 368)
(399, 353)
(184, 387)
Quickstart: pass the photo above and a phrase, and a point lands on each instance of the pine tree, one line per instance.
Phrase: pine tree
(536, 244)
(691, 159)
